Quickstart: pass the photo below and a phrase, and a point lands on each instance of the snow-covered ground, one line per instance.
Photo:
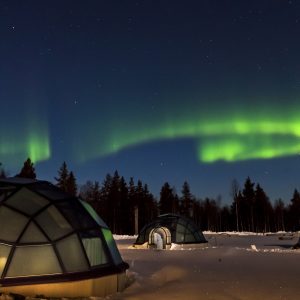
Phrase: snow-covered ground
(229, 266)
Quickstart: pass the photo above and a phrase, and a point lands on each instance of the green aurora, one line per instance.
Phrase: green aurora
(233, 135)
(33, 143)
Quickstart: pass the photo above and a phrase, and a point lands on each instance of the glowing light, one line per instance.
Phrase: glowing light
(239, 148)
(233, 135)
(16, 149)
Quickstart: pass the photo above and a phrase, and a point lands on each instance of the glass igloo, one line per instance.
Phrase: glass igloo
(48, 236)
(169, 229)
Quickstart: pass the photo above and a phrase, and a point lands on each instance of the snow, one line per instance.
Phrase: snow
(230, 266)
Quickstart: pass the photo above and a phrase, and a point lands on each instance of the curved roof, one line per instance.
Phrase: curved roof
(183, 230)
(46, 236)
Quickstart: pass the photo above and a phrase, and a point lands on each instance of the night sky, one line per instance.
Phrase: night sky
(203, 91)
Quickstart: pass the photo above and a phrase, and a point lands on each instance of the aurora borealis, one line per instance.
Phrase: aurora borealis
(206, 92)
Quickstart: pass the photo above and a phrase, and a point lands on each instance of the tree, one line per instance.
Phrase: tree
(186, 200)
(90, 192)
(66, 180)
(279, 215)
(263, 210)
(2, 172)
(71, 184)
(28, 170)
(294, 212)
(168, 202)
(235, 188)
(247, 205)
(62, 179)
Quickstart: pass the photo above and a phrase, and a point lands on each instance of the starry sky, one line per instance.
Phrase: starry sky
(205, 91)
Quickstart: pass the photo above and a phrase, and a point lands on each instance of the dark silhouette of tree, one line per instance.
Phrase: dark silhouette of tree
(211, 214)
(279, 215)
(125, 209)
(66, 180)
(71, 184)
(139, 193)
(104, 206)
(133, 205)
(186, 200)
(2, 171)
(247, 206)
(168, 201)
(236, 212)
(263, 210)
(150, 205)
(225, 219)
(294, 212)
(235, 191)
(28, 170)
(90, 192)
(62, 179)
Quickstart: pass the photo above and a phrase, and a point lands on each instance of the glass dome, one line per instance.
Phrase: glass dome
(170, 228)
(48, 236)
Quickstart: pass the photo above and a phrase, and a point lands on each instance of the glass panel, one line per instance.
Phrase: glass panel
(92, 212)
(33, 235)
(180, 228)
(12, 224)
(189, 237)
(76, 214)
(51, 191)
(112, 246)
(4, 252)
(33, 260)
(53, 222)
(4, 193)
(72, 254)
(27, 201)
(179, 237)
(95, 251)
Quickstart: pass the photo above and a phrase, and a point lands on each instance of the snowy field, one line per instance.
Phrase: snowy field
(229, 266)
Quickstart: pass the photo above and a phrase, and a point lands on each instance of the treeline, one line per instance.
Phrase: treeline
(127, 207)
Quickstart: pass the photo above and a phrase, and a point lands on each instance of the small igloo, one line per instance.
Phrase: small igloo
(170, 229)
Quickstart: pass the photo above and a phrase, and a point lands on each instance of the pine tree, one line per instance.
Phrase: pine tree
(235, 190)
(263, 210)
(247, 205)
(28, 170)
(186, 200)
(133, 205)
(294, 212)
(124, 212)
(151, 208)
(168, 202)
(2, 172)
(71, 184)
(62, 179)
(279, 215)
(90, 192)
(105, 209)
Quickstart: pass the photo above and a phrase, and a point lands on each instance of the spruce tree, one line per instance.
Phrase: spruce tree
(186, 200)
(2, 172)
(63, 176)
(71, 184)
(28, 170)
(263, 210)
(247, 205)
(294, 212)
(168, 202)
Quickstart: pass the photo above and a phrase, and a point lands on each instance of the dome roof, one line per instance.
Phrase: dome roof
(182, 230)
(47, 235)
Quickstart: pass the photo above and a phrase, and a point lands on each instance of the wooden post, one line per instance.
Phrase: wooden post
(136, 220)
